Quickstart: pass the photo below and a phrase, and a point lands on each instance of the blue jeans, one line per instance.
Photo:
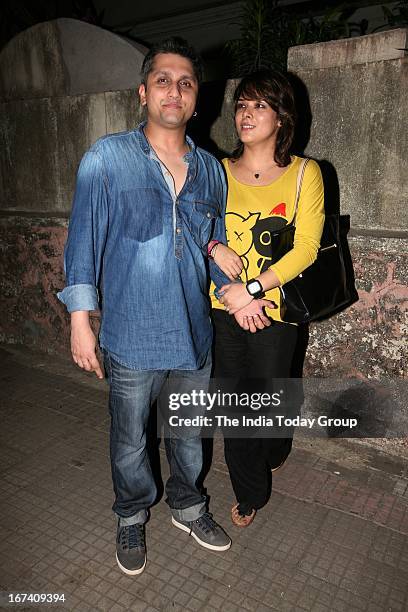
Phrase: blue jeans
(132, 392)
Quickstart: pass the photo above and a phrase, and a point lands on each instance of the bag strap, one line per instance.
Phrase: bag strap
(299, 182)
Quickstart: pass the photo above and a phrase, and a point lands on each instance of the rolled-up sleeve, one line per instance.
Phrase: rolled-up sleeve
(86, 236)
(79, 297)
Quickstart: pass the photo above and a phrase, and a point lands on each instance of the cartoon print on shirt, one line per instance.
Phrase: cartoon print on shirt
(245, 232)
(239, 234)
(262, 231)
(279, 209)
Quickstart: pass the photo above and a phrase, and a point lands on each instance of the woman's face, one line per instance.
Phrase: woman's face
(256, 121)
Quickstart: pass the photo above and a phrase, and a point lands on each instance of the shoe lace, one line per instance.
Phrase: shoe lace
(132, 536)
(207, 523)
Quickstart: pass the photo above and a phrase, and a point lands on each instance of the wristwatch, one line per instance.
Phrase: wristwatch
(255, 289)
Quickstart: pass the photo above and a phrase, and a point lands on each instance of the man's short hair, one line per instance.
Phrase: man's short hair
(176, 45)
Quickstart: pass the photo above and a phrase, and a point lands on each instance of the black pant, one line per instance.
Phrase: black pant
(265, 355)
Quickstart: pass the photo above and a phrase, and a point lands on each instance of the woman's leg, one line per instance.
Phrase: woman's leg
(248, 471)
(271, 355)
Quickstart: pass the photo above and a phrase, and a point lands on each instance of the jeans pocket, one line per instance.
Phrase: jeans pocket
(142, 213)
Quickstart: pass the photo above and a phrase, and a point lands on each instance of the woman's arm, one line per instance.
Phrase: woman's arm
(309, 227)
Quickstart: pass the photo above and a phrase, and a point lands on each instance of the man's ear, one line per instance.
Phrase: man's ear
(142, 94)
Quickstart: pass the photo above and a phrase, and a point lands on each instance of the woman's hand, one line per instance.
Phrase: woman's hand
(228, 261)
(234, 297)
(252, 317)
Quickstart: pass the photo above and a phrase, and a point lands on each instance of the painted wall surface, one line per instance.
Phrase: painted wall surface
(31, 274)
(367, 339)
(353, 106)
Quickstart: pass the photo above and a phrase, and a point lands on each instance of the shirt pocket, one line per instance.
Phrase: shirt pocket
(202, 220)
(142, 213)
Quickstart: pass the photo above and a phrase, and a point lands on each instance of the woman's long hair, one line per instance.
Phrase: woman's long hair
(275, 89)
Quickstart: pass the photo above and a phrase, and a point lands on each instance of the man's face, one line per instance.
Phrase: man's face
(171, 91)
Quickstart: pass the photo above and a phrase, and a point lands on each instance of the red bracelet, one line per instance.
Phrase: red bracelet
(211, 245)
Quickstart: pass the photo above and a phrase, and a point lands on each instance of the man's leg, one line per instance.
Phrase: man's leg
(130, 397)
(185, 457)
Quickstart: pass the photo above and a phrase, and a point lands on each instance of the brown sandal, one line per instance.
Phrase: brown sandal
(241, 520)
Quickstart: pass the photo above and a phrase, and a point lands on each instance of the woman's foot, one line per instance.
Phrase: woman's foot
(241, 520)
(277, 467)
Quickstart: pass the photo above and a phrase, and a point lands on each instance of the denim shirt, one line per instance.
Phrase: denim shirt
(140, 255)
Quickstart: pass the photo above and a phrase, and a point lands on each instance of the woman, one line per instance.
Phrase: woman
(262, 184)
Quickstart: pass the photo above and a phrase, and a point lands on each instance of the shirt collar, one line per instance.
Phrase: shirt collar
(146, 148)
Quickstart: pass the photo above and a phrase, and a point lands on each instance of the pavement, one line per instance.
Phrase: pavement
(333, 537)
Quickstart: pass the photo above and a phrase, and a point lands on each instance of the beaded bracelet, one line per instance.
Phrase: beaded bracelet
(211, 245)
(212, 254)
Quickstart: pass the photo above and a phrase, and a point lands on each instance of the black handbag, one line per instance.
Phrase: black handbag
(321, 289)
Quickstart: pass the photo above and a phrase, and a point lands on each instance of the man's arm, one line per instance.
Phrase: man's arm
(83, 258)
(217, 275)
(252, 317)
(83, 343)
(227, 260)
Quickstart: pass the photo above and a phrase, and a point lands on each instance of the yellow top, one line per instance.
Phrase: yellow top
(254, 210)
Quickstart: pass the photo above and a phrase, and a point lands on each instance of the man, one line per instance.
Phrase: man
(147, 203)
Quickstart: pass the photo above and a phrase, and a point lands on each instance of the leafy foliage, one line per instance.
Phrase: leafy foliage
(268, 30)
(397, 17)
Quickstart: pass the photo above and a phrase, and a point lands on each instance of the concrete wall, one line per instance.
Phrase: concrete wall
(63, 84)
(356, 97)
(359, 104)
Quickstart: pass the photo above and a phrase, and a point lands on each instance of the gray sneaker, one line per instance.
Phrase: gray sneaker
(131, 549)
(205, 531)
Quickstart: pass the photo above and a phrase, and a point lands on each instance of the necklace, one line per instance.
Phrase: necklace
(258, 174)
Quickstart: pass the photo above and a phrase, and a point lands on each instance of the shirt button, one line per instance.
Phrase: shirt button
(209, 215)
(178, 231)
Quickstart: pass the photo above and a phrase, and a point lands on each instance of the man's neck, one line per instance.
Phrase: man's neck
(171, 142)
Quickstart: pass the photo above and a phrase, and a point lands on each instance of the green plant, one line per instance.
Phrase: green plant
(396, 17)
(268, 30)
(251, 51)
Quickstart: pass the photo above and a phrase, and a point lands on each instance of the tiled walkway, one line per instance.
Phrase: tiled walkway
(333, 538)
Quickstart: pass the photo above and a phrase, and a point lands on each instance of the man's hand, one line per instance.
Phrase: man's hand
(228, 261)
(234, 297)
(252, 317)
(83, 343)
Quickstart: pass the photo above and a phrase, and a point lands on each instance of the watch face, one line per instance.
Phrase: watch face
(254, 287)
